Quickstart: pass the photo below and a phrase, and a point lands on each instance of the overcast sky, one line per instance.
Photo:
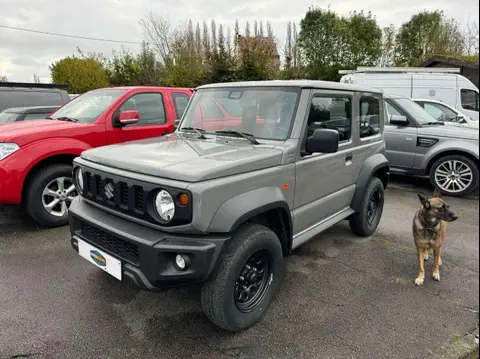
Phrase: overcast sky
(24, 54)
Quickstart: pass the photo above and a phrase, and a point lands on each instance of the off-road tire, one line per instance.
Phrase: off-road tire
(359, 221)
(473, 166)
(217, 295)
(33, 194)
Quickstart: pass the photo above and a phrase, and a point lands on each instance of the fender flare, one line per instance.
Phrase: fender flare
(369, 168)
(237, 210)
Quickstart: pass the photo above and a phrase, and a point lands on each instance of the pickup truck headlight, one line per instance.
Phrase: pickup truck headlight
(165, 205)
(6, 149)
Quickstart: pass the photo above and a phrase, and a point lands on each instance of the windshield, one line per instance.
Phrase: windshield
(264, 112)
(87, 107)
(416, 111)
(7, 117)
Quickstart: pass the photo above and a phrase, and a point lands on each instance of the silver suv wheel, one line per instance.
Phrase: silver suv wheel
(453, 176)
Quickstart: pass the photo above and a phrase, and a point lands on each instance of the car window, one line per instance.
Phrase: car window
(7, 117)
(27, 97)
(369, 116)
(469, 100)
(150, 108)
(36, 116)
(439, 112)
(180, 101)
(332, 113)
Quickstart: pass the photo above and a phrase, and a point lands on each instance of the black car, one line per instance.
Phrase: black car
(15, 114)
(19, 94)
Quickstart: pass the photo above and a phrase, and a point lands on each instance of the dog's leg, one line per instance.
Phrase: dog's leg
(421, 266)
(426, 255)
(436, 264)
(440, 262)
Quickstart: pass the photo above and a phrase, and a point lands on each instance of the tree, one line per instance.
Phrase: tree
(3, 78)
(388, 46)
(471, 39)
(81, 74)
(427, 33)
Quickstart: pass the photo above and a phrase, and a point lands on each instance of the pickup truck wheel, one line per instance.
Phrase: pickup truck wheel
(454, 175)
(240, 292)
(365, 222)
(49, 194)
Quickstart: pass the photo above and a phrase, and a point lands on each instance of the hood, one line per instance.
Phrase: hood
(24, 132)
(186, 159)
(464, 133)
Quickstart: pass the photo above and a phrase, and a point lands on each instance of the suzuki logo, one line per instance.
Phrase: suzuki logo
(109, 191)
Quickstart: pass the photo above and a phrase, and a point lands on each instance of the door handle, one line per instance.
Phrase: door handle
(349, 158)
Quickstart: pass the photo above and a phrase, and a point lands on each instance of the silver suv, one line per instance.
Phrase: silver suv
(419, 145)
(253, 170)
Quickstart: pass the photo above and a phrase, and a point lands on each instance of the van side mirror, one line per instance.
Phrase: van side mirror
(398, 120)
(323, 141)
(128, 117)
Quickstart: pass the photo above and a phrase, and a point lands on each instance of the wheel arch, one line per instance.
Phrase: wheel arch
(446, 153)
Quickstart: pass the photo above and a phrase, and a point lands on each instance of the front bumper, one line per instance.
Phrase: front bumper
(147, 255)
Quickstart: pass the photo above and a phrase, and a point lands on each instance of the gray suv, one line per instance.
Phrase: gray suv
(253, 170)
(419, 145)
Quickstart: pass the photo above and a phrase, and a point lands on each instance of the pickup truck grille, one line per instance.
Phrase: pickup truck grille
(130, 197)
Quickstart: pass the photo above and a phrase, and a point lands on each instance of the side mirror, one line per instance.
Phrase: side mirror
(128, 117)
(398, 120)
(323, 141)
(175, 124)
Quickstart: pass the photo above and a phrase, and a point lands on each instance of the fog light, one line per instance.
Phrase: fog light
(181, 261)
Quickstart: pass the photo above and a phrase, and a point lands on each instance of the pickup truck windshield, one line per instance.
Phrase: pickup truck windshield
(263, 112)
(87, 107)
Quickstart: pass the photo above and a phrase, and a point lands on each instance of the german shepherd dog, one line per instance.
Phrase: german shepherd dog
(429, 232)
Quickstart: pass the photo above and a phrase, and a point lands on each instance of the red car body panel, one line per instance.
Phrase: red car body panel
(41, 140)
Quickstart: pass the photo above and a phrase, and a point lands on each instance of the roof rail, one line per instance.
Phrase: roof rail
(33, 85)
(446, 70)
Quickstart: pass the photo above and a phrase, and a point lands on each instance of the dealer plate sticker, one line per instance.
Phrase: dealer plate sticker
(101, 259)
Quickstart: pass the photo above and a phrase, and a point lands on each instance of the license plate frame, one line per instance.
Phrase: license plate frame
(100, 259)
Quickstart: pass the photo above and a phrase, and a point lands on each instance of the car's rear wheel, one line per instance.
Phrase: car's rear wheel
(49, 193)
(240, 292)
(365, 222)
(454, 175)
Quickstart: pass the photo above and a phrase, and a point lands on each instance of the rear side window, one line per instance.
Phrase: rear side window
(469, 100)
(26, 98)
(369, 116)
(180, 101)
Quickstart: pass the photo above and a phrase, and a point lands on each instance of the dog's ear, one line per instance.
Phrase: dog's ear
(437, 193)
(424, 201)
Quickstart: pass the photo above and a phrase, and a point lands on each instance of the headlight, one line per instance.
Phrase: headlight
(165, 205)
(79, 179)
(6, 149)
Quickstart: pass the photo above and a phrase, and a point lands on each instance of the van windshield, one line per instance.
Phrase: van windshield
(416, 111)
(87, 107)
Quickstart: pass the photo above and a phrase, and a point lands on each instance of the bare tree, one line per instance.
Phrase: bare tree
(159, 34)
(3, 78)
(471, 38)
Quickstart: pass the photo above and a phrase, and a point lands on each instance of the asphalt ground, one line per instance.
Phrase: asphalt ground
(342, 297)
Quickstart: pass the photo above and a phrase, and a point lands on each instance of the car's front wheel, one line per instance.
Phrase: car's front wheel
(49, 193)
(454, 175)
(240, 292)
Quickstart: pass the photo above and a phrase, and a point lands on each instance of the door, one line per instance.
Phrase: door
(469, 103)
(324, 182)
(400, 141)
(435, 86)
(152, 118)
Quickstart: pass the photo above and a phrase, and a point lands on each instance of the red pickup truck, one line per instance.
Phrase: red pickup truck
(36, 156)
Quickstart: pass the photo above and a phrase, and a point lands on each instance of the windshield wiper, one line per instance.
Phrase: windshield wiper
(67, 119)
(434, 123)
(197, 130)
(247, 136)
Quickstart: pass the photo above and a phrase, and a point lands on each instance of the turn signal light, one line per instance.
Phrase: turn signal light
(183, 199)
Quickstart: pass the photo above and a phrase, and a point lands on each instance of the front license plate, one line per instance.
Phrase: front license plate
(101, 259)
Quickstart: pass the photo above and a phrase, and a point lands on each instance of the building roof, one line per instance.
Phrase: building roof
(458, 61)
(311, 84)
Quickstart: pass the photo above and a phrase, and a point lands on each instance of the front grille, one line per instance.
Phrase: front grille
(119, 195)
(112, 244)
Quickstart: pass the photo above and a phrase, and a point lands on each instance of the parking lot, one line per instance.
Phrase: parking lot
(342, 297)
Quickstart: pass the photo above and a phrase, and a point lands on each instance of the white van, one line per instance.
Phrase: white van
(443, 84)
